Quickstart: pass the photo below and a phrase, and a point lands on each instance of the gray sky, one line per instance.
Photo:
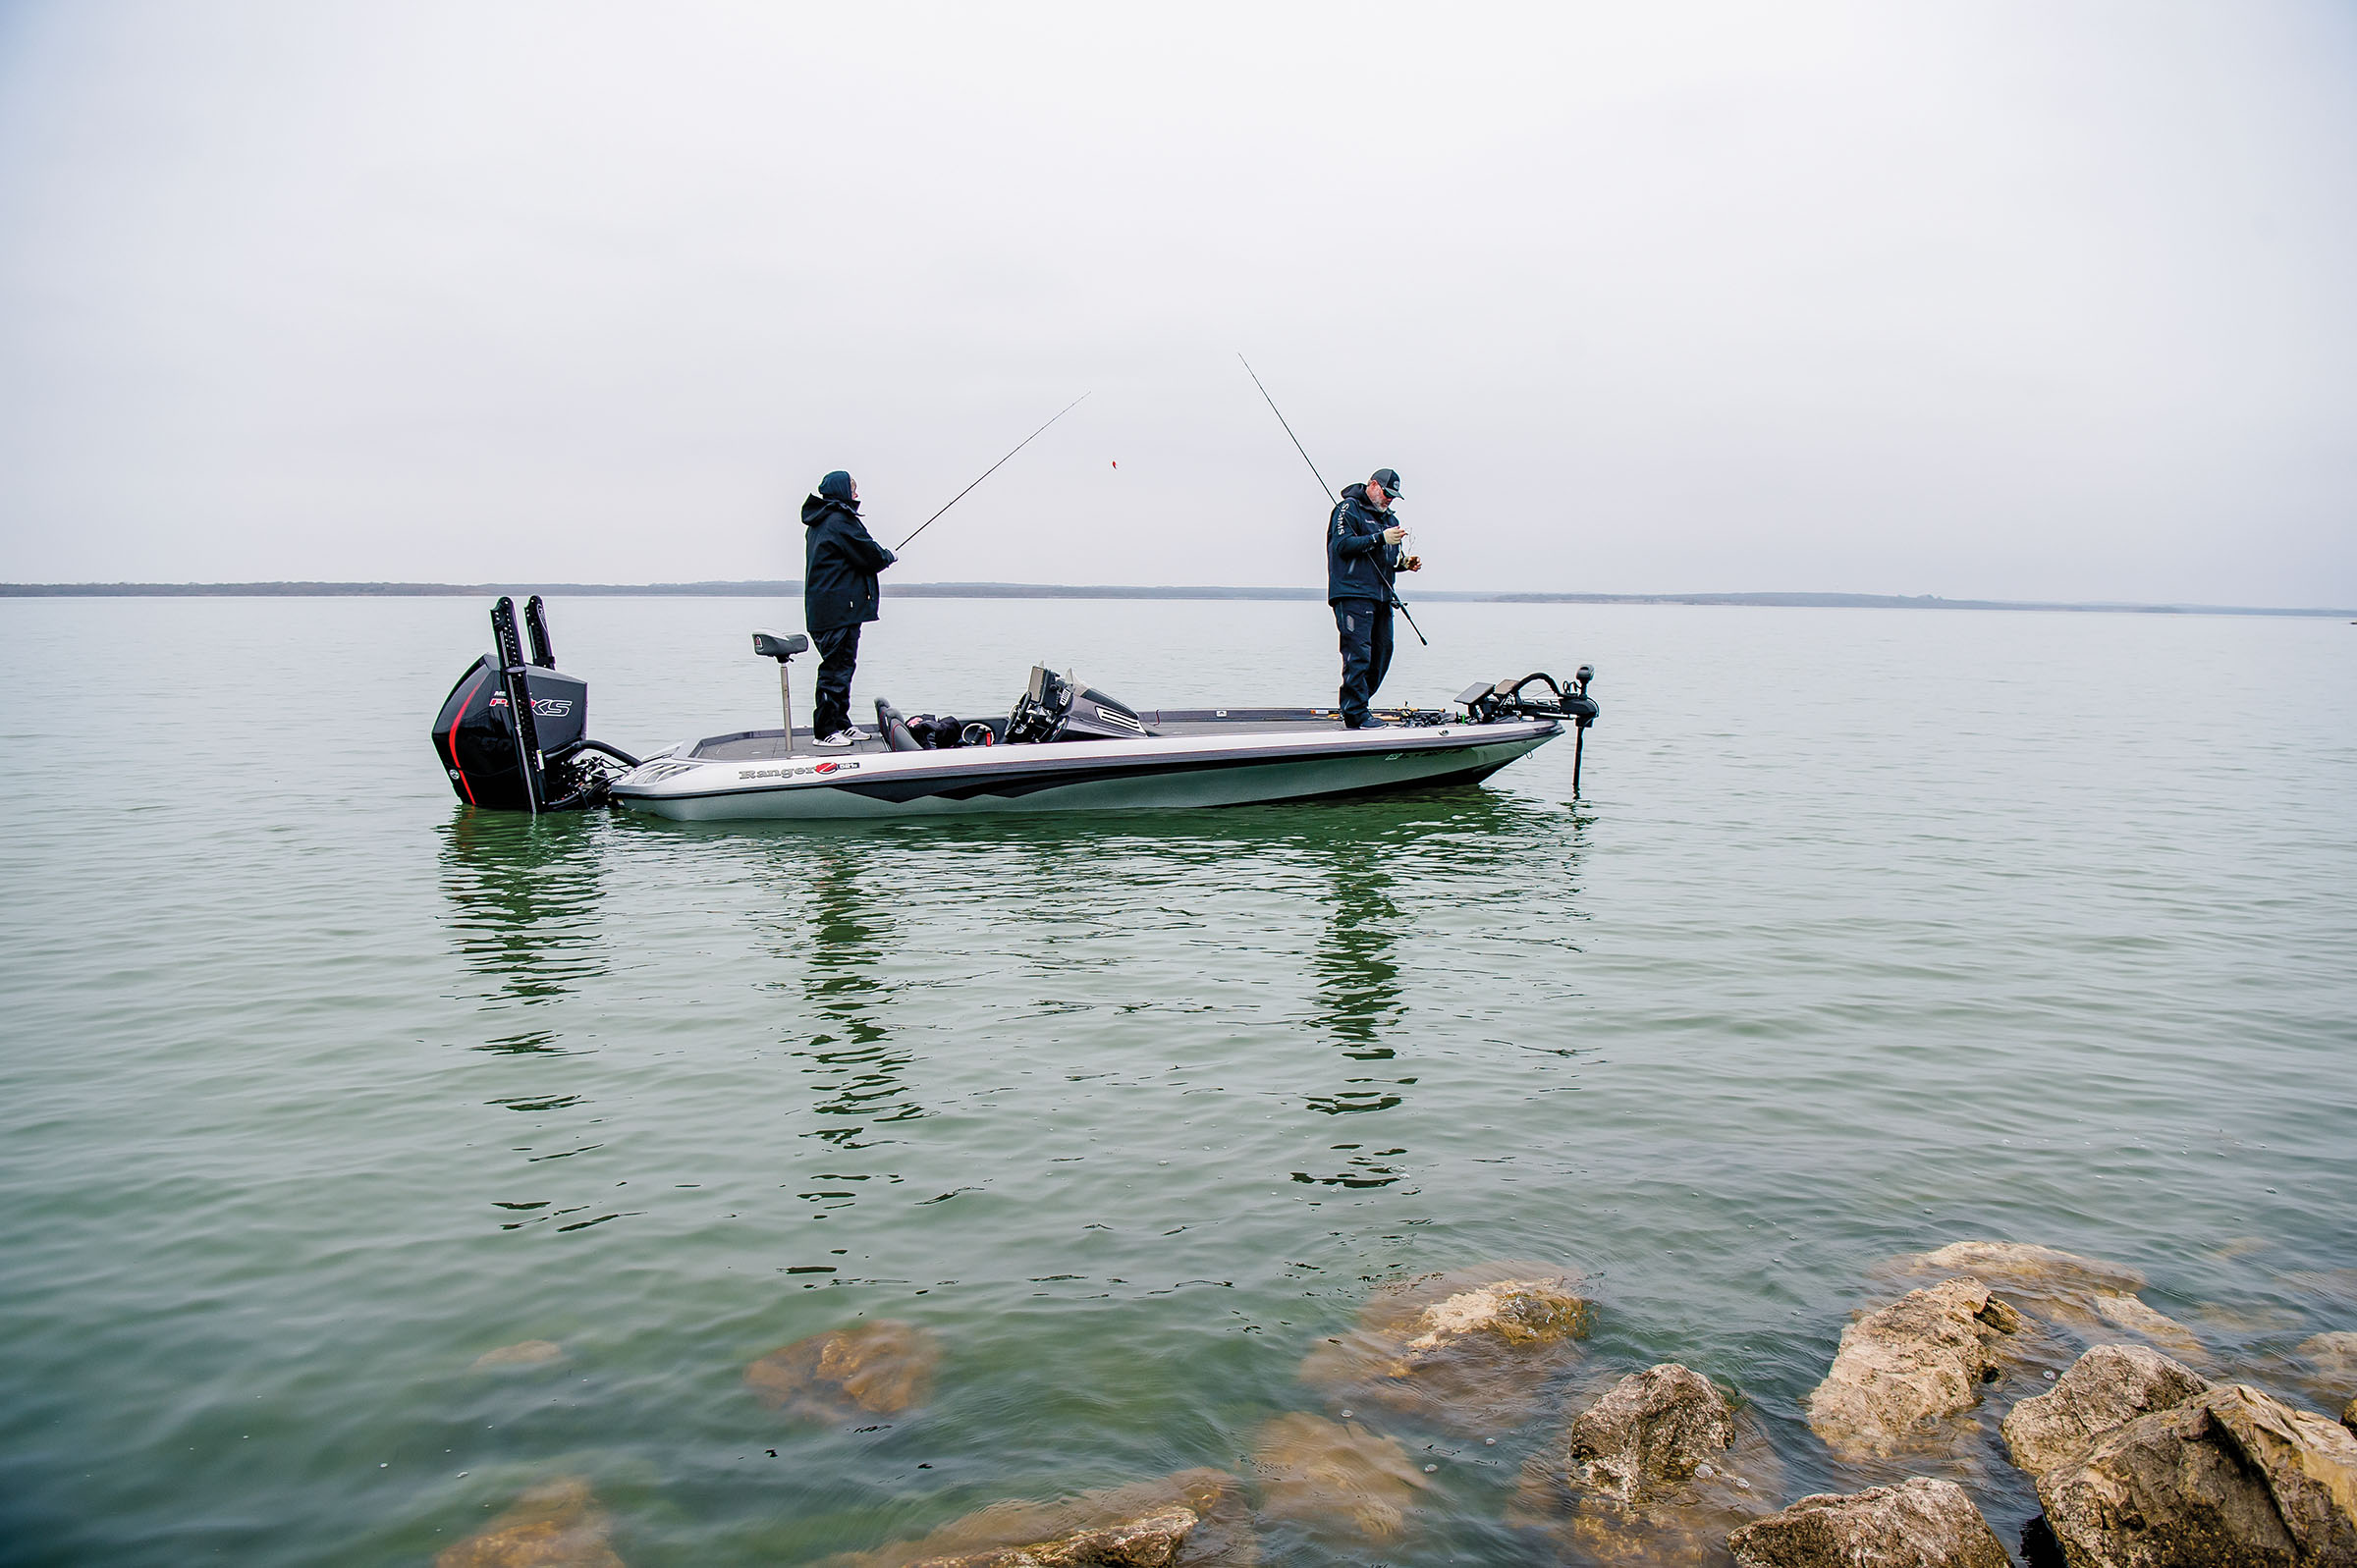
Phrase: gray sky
(2025, 300)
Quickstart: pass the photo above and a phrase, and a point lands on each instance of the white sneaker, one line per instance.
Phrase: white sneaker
(841, 737)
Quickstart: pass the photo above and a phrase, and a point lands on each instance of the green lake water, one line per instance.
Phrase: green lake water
(1872, 930)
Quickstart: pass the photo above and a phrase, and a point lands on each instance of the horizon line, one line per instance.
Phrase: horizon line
(793, 586)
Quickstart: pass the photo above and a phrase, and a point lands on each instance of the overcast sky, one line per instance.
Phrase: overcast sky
(2026, 301)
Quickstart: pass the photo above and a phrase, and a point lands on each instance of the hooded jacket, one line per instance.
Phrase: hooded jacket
(1358, 564)
(840, 563)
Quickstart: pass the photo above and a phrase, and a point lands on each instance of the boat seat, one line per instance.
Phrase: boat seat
(894, 728)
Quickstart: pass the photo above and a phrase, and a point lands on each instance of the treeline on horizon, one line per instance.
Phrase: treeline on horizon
(792, 587)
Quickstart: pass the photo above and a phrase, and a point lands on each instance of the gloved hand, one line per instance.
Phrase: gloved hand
(1412, 564)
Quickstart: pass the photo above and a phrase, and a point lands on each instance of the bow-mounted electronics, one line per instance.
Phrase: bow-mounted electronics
(1511, 699)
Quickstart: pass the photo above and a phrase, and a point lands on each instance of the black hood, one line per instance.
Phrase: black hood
(1358, 493)
(815, 508)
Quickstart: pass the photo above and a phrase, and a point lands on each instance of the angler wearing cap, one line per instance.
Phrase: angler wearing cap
(1362, 553)
(840, 563)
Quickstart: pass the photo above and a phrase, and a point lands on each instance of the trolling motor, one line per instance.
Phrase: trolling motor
(1505, 700)
(511, 733)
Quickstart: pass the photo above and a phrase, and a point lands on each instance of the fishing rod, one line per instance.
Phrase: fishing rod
(1331, 498)
(993, 468)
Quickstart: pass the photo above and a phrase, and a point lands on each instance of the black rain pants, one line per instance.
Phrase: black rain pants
(1365, 628)
(838, 656)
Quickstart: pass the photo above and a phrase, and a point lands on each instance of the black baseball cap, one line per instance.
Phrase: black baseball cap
(1388, 478)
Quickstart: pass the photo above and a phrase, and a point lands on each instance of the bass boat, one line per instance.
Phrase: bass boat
(512, 736)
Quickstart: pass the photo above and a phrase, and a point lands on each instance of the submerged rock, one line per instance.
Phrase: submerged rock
(1643, 1439)
(1471, 1350)
(2027, 1270)
(2228, 1476)
(2107, 1387)
(877, 1368)
(2131, 1313)
(2334, 1358)
(1194, 1518)
(1899, 1370)
(522, 1353)
(1920, 1523)
(1339, 1478)
(1657, 1470)
(2348, 1414)
(555, 1525)
(2091, 1296)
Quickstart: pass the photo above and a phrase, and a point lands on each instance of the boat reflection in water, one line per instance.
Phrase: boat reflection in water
(524, 895)
(1461, 849)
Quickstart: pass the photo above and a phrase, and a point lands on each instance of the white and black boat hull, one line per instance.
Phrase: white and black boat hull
(1153, 774)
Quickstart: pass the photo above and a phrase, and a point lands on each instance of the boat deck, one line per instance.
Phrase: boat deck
(751, 745)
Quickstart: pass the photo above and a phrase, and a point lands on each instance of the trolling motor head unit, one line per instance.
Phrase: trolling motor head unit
(1504, 700)
(513, 733)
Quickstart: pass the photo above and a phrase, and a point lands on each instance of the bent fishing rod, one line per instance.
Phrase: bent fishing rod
(1331, 496)
(993, 468)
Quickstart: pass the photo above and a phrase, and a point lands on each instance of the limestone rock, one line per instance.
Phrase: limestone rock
(2107, 1387)
(2229, 1477)
(523, 1353)
(1920, 1523)
(1899, 1370)
(1336, 1477)
(1641, 1442)
(1519, 1311)
(556, 1525)
(2348, 1414)
(876, 1369)
(1194, 1518)
(1655, 1471)
(1472, 1349)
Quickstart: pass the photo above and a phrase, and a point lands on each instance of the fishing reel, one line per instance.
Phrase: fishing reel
(1506, 699)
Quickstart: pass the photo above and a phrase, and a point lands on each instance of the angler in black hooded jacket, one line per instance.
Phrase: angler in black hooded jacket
(1362, 552)
(840, 563)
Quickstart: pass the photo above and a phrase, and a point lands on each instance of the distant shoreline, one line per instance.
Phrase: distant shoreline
(791, 588)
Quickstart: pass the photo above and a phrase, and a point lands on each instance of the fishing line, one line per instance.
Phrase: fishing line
(993, 469)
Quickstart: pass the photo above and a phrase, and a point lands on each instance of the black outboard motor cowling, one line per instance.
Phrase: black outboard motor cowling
(475, 735)
(513, 736)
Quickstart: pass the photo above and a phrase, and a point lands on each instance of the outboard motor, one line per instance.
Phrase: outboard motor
(513, 734)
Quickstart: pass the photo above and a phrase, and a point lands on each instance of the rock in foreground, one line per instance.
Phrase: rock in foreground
(558, 1524)
(1337, 1477)
(1919, 1524)
(1901, 1371)
(1643, 1439)
(2107, 1387)
(1657, 1470)
(2229, 1477)
(876, 1369)
(1471, 1350)
(1193, 1519)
